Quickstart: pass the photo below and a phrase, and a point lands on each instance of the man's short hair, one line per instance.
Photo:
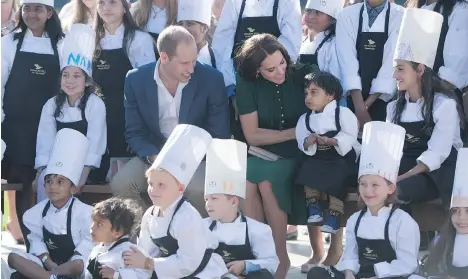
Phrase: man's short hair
(171, 37)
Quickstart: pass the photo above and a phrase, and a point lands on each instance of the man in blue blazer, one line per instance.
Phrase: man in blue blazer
(174, 90)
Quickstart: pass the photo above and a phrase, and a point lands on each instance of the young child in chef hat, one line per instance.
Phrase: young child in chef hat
(114, 220)
(246, 246)
(75, 106)
(382, 240)
(172, 231)
(195, 16)
(59, 236)
(448, 257)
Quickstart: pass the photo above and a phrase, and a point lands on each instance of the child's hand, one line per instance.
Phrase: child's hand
(236, 267)
(106, 272)
(134, 258)
(311, 139)
(349, 275)
(322, 140)
(50, 265)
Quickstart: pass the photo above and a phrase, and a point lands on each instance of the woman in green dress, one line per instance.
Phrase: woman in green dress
(270, 100)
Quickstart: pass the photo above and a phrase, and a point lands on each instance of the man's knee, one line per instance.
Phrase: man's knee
(130, 179)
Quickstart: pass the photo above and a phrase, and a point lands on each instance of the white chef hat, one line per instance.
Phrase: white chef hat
(43, 2)
(68, 155)
(78, 48)
(382, 149)
(460, 185)
(329, 7)
(3, 148)
(226, 168)
(197, 10)
(183, 152)
(419, 36)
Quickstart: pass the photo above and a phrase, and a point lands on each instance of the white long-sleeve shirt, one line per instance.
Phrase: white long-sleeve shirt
(95, 113)
(446, 131)
(324, 122)
(455, 69)
(327, 57)
(193, 238)
(346, 36)
(403, 233)
(66, 16)
(113, 259)
(55, 222)
(141, 49)
(260, 237)
(289, 22)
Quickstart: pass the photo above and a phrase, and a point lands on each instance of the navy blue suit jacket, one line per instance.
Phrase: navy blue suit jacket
(204, 104)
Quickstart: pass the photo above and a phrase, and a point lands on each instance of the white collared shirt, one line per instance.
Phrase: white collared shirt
(346, 36)
(169, 106)
(289, 22)
(446, 131)
(141, 49)
(156, 20)
(260, 237)
(326, 57)
(204, 55)
(55, 222)
(460, 251)
(455, 68)
(114, 260)
(192, 242)
(403, 233)
(95, 113)
(324, 122)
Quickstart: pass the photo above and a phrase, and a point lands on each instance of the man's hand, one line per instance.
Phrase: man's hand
(236, 267)
(38, 173)
(152, 158)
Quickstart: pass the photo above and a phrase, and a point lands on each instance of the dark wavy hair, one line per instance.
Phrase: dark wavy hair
(129, 33)
(431, 84)
(254, 50)
(61, 97)
(53, 27)
(328, 82)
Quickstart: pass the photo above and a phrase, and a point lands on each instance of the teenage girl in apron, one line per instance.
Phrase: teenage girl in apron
(75, 107)
(78, 11)
(155, 15)
(240, 20)
(30, 76)
(448, 255)
(120, 47)
(365, 46)
(382, 241)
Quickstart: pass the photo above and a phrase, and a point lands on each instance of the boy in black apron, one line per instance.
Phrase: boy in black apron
(326, 135)
(382, 241)
(246, 246)
(59, 226)
(114, 220)
(195, 16)
(172, 231)
(365, 37)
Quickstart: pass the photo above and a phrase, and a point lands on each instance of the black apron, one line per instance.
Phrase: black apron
(155, 37)
(94, 266)
(80, 125)
(33, 80)
(373, 251)
(416, 141)
(250, 26)
(212, 57)
(327, 171)
(109, 72)
(370, 51)
(312, 59)
(231, 253)
(168, 246)
(60, 246)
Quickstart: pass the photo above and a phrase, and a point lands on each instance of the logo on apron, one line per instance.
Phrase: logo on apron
(369, 254)
(37, 70)
(412, 139)
(164, 250)
(323, 147)
(227, 257)
(103, 65)
(370, 45)
(51, 245)
(250, 32)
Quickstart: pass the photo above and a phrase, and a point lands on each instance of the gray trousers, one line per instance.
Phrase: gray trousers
(130, 182)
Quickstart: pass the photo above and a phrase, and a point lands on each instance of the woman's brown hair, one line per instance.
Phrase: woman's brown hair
(254, 50)
(141, 11)
(391, 199)
(80, 14)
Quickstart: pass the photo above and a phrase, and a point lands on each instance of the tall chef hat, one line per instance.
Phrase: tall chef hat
(329, 7)
(78, 48)
(382, 149)
(68, 155)
(460, 185)
(183, 152)
(197, 10)
(226, 168)
(419, 36)
(49, 3)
